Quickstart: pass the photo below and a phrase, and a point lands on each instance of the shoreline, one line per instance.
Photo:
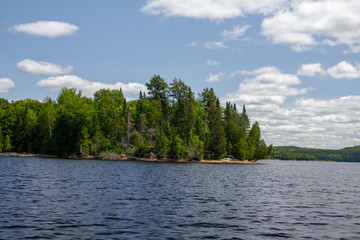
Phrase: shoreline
(129, 158)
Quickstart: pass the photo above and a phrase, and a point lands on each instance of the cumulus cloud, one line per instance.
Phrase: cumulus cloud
(288, 117)
(311, 23)
(46, 68)
(55, 83)
(234, 34)
(212, 62)
(301, 121)
(215, 45)
(302, 25)
(49, 29)
(210, 9)
(311, 69)
(6, 84)
(308, 122)
(344, 70)
(267, 86)
(214, 77)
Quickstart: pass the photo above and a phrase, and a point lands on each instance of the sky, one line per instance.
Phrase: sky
(294, 64)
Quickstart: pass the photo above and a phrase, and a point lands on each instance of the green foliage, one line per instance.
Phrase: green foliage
(111, 111)
(45, 127)
(261, 150)
(73, 116)
(20, 122)
(162, 144)
(177, 147)
(214, 131)
(235, 132)
(167, 121)
(84, 142)
(1, 141)
(195, 148)
(141, 151)
(7, 144)
(350, 154)
(240, 149)
(158, 90)
(257, 148)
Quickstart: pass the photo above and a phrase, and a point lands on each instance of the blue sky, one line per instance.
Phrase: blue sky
(294, 64)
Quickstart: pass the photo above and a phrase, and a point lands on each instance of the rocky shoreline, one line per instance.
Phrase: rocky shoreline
(123, 157)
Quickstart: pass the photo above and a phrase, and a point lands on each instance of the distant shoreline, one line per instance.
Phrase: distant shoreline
(130, 158)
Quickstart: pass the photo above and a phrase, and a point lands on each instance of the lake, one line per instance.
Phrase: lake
(75, 199)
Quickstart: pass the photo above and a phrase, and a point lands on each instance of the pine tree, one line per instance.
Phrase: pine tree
(7, 144)
(253, 141)
(158, 90)
(245, 122)
(169, 122)
(215, 139)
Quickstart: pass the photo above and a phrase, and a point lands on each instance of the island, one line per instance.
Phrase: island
(166, 123)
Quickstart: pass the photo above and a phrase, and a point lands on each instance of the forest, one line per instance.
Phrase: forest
(349, 154)
(167, 121)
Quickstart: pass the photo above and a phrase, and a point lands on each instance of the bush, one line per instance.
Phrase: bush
(141, 151)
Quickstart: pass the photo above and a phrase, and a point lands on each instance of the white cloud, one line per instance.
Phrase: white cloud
(268, 86)
(88, 87)
(344, 70)
(49, 29)
(259, 71)
(212, 62)
(333, 123)
(210, 9)
(311, 23)
(343, 105)
(35, 67)
(311, 69)
(234, 34)
(215, 45)
(192, 44)
(214, 77)
(6, 84)
(209, 45)
(300, 121)
(304, 122)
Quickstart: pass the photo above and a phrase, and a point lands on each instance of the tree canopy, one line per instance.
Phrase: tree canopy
(168, 121)
(349, 154)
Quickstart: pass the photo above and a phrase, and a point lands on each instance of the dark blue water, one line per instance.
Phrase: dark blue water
(66, 199)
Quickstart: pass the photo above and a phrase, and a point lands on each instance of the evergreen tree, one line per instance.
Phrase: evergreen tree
(46, 124)
(73, 115)
(158, 90)
(169, 122)
(7, 144)
(1, 140)
(215, 139)
(190, 116)
(230, 128)
(162, 144)
(261, 150)
(235, 134)
(111, 110)
(245, 122)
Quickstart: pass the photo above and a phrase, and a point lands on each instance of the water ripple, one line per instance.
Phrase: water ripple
(65, 199)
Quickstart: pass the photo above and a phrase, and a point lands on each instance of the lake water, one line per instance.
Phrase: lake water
(74, 199)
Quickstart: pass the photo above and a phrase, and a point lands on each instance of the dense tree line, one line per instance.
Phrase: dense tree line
(167, 121)
(350, 154)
